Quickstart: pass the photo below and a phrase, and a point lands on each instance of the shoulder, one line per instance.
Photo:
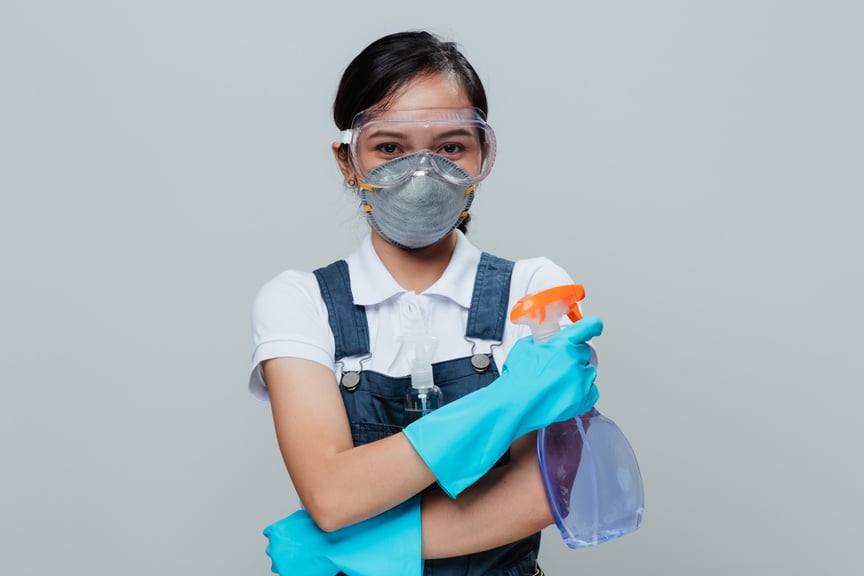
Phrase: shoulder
(289, 307)
(534, 274)
(530, 275)
(286, 289)
(289, 319)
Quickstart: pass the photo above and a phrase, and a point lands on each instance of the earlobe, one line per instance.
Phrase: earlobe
(341, 156)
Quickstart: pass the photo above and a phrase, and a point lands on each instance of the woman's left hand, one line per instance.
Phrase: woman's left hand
(389, 543)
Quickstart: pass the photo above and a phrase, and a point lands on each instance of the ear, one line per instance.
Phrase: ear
(340, 152)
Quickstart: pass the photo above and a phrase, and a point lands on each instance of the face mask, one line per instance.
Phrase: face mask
(421, 210)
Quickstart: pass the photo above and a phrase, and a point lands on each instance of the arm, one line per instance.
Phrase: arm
(459, 442)
(337, 483)
(505, 505)
(340, 485)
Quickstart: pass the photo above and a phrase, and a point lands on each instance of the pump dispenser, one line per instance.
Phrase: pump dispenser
(588, 467)
(423, 395)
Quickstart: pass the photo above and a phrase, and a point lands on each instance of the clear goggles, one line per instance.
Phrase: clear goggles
(422, 136)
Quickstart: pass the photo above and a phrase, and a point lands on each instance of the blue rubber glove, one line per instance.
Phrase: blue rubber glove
(539, 384)
(390, 543)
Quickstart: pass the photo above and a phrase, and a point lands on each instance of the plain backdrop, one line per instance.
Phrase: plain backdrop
(698, 166)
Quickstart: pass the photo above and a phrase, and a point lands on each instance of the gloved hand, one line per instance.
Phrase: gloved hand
(539, 384)
(390, 543)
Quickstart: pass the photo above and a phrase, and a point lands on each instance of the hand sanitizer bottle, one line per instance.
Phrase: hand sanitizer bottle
(423, 395)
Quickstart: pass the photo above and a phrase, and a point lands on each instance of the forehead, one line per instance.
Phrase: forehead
(437, 91)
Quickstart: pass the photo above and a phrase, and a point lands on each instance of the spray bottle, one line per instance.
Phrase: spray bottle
(589, 469)
(423, 395)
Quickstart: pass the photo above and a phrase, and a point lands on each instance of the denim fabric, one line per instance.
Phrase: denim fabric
(376, 408)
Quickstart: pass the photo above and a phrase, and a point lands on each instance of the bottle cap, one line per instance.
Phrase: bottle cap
(422, 349)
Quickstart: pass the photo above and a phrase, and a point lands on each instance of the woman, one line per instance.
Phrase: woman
(460, 487)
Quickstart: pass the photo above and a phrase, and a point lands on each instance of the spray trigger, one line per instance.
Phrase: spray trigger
(542, 311)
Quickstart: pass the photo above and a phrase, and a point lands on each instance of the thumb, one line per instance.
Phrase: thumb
(583, 330)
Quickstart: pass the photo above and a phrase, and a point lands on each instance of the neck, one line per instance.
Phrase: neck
(415, 270)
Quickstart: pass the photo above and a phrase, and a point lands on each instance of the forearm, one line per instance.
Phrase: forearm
(357, 483)
(505, 505)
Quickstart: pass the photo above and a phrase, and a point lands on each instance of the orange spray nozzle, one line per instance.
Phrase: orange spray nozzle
(533, 308)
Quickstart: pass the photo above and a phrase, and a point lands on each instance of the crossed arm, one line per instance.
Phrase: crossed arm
(340, 484)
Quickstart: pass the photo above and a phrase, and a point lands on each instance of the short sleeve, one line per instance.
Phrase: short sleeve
(538, 274)
(289, 319)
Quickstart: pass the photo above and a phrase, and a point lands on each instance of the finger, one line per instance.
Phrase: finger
(581, 354)
(592, 396)
(583, 330)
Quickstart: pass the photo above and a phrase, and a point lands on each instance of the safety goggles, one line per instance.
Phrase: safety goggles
(421, 138)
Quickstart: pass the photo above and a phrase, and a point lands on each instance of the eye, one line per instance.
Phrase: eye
(388, 148)
(451, 149)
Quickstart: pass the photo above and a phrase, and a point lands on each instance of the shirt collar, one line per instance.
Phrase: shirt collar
(371, 283)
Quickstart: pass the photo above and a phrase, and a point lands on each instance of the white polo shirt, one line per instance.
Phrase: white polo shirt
(289, 318)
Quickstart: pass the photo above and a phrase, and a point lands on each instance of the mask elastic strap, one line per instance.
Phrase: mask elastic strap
(365, 186)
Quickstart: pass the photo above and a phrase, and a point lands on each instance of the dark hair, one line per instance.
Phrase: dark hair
(391, 62)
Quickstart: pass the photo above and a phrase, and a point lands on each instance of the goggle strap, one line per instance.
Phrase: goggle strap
(346, 136)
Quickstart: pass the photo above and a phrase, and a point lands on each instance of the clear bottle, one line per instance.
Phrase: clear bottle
(423, 395)
(589, 469)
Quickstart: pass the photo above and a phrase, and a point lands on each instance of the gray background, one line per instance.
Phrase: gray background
(697, 165)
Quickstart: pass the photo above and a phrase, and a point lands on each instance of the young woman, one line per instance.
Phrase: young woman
(457, 491)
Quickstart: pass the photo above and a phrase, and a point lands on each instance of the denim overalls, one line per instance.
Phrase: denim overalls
(376, 403)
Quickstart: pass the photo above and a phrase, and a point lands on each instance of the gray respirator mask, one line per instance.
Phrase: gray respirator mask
(418, 211)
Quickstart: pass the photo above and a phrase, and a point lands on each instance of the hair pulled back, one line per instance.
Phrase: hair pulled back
(389, 63)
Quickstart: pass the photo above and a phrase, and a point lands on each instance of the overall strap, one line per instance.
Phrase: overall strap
(488, 314)
(347, 320)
